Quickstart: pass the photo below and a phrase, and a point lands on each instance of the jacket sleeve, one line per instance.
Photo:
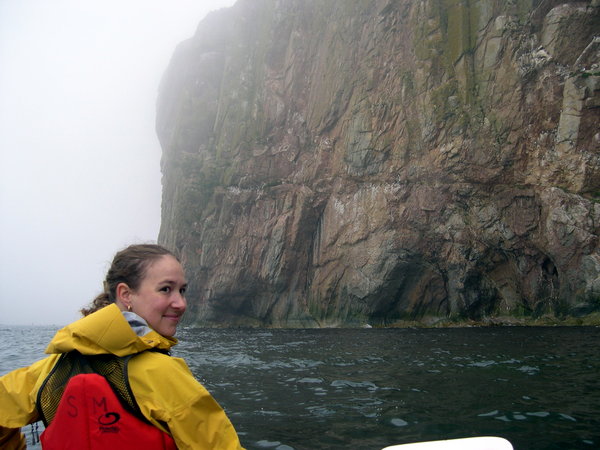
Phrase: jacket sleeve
(171, 398)
(18, 391)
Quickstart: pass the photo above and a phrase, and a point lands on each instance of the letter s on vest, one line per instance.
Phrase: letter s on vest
(72, 411)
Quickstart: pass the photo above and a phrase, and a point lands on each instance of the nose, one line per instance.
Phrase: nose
(179, 302)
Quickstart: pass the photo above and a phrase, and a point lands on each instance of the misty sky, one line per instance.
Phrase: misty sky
(79, 156)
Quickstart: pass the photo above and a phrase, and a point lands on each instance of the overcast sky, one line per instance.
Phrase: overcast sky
(79, 156)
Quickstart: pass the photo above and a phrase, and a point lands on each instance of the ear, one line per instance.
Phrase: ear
(123, 294)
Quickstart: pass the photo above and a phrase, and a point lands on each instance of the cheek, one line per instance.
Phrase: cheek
(154, 306)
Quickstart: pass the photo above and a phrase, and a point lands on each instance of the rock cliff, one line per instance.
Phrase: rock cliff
(341, 163)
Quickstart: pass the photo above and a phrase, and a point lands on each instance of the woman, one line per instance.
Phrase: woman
(137, 315)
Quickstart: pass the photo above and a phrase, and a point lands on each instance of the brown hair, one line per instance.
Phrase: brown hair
(128, 266)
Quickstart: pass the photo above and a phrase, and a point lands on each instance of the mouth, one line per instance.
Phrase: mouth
(173, 317)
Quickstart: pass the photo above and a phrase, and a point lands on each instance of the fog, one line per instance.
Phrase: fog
(79, 156)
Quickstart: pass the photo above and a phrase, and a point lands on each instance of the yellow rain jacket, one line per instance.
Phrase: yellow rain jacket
(166, 391)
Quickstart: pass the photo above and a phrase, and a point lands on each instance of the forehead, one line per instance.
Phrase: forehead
(165, 268)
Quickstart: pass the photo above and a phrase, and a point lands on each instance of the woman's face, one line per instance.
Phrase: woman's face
(160, 298)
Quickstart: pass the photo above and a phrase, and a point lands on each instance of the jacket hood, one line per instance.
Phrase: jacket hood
(106, 332)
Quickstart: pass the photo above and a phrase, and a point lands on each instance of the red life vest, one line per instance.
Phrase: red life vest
(91, 417)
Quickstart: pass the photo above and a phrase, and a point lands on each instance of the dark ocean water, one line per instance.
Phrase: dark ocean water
(369, 388)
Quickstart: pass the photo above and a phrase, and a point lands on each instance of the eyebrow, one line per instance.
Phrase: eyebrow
(185, 284)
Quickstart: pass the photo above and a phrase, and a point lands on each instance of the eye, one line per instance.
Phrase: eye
(182, 290)
(165, 289)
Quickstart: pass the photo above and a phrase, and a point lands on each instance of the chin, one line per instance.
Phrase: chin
(169, 332)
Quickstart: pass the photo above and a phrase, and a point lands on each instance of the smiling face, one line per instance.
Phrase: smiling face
(160, 298)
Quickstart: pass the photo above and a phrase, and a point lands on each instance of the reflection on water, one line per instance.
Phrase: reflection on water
(368, 388)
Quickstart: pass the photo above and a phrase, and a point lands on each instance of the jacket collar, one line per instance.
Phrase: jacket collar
(106, 332)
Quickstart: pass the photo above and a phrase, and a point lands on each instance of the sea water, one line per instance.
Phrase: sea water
(369, 388)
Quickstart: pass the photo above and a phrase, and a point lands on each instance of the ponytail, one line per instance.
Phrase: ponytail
(99, 302)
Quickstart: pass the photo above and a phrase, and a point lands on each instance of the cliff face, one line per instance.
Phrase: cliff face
(330, 163)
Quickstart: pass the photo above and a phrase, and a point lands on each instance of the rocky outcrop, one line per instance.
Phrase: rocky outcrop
(334, 163)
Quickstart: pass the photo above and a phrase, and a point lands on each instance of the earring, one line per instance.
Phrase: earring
(128, 307)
